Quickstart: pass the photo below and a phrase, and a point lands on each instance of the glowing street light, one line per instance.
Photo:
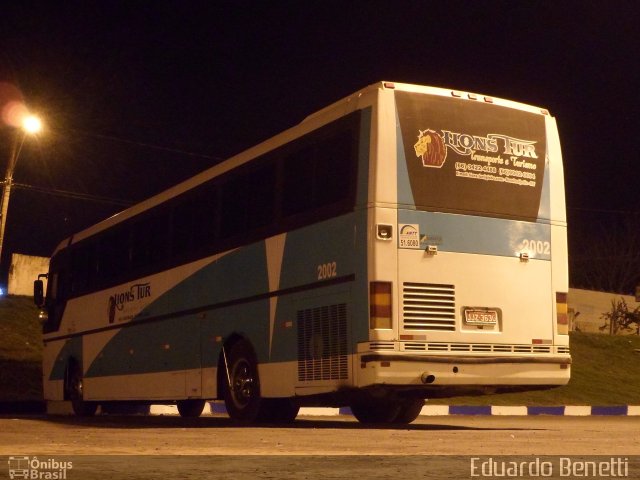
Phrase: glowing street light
(30, 126)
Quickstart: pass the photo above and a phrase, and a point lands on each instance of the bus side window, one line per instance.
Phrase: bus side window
(83, 267)
(205, 217)
(333, 169)
(52, 294)
(194, 222)
(183, 226)
(248, 201)
(113, 254)
(260, 189)
(297, 195)
(233, 215)
(149, 241)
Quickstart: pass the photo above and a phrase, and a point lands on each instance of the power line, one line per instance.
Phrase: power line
(603, 210)
(74, 195)
(147, 145)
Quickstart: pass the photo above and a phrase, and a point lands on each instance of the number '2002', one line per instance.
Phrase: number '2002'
(537, 246)
(327, 270)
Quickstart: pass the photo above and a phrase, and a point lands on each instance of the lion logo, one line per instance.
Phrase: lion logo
(430, 148)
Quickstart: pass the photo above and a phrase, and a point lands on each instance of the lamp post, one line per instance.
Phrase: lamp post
(30, 125)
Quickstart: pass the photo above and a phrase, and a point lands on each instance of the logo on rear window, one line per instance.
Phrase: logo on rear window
(430, 148)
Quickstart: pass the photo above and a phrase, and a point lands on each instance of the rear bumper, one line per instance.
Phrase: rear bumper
(462, 370)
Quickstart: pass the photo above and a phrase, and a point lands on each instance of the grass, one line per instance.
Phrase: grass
(20, 349)
(605, 370)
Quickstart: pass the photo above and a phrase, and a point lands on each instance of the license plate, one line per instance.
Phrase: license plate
(481, 317)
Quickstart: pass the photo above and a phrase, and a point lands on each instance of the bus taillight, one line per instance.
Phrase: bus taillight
(380, 305)
(562, 317)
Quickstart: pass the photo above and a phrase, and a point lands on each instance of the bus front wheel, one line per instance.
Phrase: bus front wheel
(75, 392)
(191, 408)
(242, 389)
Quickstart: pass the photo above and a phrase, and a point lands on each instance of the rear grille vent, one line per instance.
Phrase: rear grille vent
(322, 343)
(382, 346)
(481, 348)
(502, 348)
(428, 306)
(475, 347)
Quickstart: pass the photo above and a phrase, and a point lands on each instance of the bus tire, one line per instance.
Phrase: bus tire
(242, 398)
(191, 408)
(374, 410)
(75, 392)
(278, 410)
(409, 410)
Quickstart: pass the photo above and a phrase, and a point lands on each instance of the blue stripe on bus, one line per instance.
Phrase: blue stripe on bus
(192, 340)
(72, 348)
(480, 235)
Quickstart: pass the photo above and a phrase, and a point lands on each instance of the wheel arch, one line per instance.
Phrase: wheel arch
(71, 363)
(231, 340)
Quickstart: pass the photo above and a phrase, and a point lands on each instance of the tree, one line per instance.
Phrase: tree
(605, 253)
(620, 318)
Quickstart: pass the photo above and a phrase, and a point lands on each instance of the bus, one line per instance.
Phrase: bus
(404, 243)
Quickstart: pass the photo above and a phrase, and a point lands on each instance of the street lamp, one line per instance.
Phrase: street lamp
(30, 126)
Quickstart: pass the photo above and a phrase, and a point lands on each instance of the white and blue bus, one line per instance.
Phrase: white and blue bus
(406, 242)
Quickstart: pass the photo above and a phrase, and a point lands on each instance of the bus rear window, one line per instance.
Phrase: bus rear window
(470, 157)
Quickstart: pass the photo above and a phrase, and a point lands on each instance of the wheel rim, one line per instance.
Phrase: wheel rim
(243, 384)
(76, 387)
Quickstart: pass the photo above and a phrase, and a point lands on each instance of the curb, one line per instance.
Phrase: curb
(564, 410)
(444, 410)
(64, 408)
(29, 407)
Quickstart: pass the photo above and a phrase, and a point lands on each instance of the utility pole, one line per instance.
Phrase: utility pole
(30, 125)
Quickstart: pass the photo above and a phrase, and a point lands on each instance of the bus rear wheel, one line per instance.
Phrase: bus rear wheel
(278, 410)
(191, 408)
(75, 392)
(409, 410)
(242, 390)
(375, 410)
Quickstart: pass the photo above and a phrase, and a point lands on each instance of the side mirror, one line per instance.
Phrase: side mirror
(38, 293)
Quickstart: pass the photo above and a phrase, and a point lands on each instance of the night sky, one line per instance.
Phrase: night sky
(139, 95)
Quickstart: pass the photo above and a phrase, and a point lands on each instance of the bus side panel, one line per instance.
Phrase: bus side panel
(313, 325)
(168, 346)
(56, 357)
(154, 359)
(168, 337)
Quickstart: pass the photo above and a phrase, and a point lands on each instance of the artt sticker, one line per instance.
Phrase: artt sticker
(409, 235)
